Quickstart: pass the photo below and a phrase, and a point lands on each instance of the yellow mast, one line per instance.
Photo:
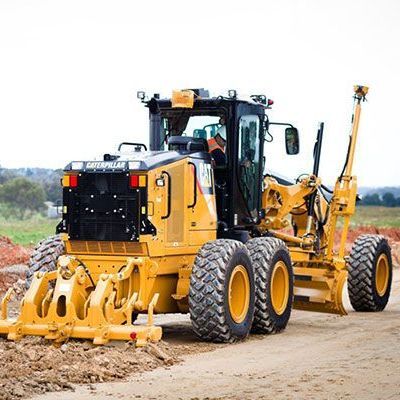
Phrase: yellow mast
(360, 93)
(345, 192)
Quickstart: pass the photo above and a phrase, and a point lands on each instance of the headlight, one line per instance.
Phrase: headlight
(77, 165)
(134, 164)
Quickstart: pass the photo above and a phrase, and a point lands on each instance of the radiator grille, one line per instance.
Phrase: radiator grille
(97, 247)
(103, 207)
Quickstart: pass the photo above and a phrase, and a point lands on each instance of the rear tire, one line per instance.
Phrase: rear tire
(221, 295)
(274, 285)
(370, 273)
(44, 257)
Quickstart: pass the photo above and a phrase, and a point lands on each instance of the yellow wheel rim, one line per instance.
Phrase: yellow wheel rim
(239, 294)
(280, 287)
(382, 274)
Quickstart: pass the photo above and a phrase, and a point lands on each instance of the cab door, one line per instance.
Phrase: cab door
(249, 166)
(176, 232)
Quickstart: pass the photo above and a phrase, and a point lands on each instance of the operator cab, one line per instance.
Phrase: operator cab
(232, 130)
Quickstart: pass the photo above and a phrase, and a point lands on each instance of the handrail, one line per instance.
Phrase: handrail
(195, 186)
(168, 195)
(138, 145)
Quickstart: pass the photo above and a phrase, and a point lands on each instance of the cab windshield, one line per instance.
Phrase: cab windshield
(198, 126)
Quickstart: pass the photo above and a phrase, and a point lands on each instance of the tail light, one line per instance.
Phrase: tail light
(70, 181)
(73, 181)
(136, 181)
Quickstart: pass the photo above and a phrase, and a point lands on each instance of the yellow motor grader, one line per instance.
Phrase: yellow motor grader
(196, 225)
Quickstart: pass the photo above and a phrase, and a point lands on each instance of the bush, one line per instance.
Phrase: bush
(388, 200)
(372, 200)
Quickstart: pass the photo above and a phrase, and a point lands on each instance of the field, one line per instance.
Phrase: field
(31, 231)
(27, 232)
(380, 217)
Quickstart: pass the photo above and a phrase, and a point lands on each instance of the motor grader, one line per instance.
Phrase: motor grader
(178, 230)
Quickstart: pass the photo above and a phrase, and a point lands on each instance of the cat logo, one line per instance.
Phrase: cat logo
(205, 176)
(106, 165)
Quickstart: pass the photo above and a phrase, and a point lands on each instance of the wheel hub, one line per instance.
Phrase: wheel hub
(279, 287)
(382, 274)
(239, 293)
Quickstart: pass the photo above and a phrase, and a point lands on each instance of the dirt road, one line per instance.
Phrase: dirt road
(317, 357)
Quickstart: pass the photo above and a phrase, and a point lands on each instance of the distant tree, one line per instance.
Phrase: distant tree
(53, 188)
(388, 200)
(23, 195)
(6, 175)
(371, 200)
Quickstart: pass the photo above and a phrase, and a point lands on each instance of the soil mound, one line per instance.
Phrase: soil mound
(11, 253)
(34, 366)
(393, 235)
(13, 260)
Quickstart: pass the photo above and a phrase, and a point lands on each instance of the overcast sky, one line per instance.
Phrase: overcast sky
(69, 72)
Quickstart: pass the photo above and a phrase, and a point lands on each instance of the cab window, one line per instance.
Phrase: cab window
(249, 161)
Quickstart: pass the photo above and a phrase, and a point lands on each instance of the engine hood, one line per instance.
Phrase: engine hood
(142, 161)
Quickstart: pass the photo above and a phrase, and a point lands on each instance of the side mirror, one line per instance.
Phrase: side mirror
(292, 141)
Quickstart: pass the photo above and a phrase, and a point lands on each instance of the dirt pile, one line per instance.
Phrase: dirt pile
(393, 235)
(13, 260)
(34, 365)
(11, 253)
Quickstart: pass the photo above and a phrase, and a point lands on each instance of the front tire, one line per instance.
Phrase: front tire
(370, 273)
(274, 284)
(221, 295)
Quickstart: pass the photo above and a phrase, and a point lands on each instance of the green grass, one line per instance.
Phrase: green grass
(381, 217)
(28, 232)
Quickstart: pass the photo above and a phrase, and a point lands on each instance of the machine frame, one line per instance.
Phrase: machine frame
(148, 232)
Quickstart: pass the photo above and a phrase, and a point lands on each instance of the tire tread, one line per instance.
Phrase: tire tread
(361, 272)
(262, 250)
(44, 257)
(206, 294)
